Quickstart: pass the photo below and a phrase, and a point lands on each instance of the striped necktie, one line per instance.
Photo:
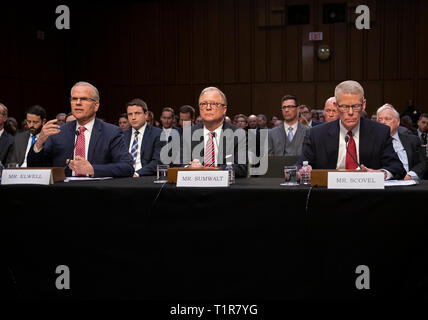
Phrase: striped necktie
(209, 159)
(290, 134)
(134, 149)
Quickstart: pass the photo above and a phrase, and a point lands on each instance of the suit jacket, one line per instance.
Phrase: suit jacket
(278, 141)
(230, 133)
(20, 146)
(321, 147)
(6, 147)
(149, 150)
(414, 151)
(315, 123)
(107, 152)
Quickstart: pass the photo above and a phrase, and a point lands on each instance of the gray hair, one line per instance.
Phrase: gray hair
(350, 87)
(388, 106)
(83, 83)
(4, 111)
(223, 96)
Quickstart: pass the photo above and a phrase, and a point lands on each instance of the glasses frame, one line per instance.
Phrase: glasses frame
(82, 99)
(214, 105)
(355, 107)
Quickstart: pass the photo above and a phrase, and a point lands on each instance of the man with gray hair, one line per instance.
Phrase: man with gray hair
(87, 146)
(6, 139)
(407, 146)
(352, 142)
(330, 110)
(217, 141)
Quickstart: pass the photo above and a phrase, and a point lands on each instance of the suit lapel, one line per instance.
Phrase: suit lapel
(282, 140)
(95, 135)
(364, 143)
(333, 144)
(144, 142)
(407, 147)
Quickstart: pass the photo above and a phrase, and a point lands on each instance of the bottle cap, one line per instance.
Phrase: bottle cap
(229, 163)
(305, 163)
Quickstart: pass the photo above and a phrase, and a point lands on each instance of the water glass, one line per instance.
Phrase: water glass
(290, 176)
(162, 173)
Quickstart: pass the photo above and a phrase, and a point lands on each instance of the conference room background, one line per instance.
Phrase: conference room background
(166, 51)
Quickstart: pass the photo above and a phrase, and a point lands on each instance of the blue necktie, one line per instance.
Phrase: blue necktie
(134, 149)
(290, 133)
(33, 140)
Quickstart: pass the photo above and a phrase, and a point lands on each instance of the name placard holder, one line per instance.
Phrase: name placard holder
(355, 180)
(203, 178)
(28, 176)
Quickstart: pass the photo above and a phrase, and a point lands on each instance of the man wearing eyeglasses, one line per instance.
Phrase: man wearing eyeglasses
(214, 141)
(352, 142)
(87, 146)
(287, 140)
(35, 119)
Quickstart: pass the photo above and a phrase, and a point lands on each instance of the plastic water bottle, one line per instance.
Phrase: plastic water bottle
(305, 175)
(229, 168)
(1, 170)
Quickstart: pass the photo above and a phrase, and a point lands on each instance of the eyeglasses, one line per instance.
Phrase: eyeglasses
(214, 105)
(82, 99)
(288, 107)
(355, 107)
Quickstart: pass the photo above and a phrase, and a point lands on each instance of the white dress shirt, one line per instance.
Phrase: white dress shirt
(343, 132)
(24, 164)
(89, 126)
(140, 136)
(216, 140)
(294, 126)
(1, 132)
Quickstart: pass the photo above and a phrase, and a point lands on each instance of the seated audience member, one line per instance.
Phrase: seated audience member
(330, 110)
(373, 117)
(167, 119)
(413, 112)
(241, 121)
(36, 118)
(123, 122)
(321, 116)
(187, 116)
(11, 126)
(6, 139)
(96, 148)
(142, 139)
(273, 121)
(287, 140)
(305, 111)
(252, 122)
(406, 122)
(368, 143)
(60, 117)
(261, 121)
(218, 138)
(278, 123)
(407, 146)
(199, 119)
(24, 126)
(70, 117)
(423, 128)
(226, 118)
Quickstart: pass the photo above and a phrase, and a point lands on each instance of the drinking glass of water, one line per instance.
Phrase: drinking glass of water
(290, 176)
(162, 173)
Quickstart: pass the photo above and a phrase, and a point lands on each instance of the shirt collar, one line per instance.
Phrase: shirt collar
(1, 132)
(88, 126)
(355, 130)
(217, 131)
(141, 130)
(396, 136)
(294, 126)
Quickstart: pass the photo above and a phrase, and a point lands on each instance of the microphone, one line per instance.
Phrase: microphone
(76, 133)
(346, 141)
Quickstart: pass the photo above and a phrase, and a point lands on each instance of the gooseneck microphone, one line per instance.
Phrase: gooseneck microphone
(355, 160)
(76, 133)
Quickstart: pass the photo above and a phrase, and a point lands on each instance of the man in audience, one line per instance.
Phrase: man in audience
(330, 110)
(351, 141)
(218, 139)
(406, 122)
(36, 118)
(305, 111)
(423, 128)
(88, 146)
(70, 117)
(6, 139)
(273, 121)
(123, 122)
(252, 122)
(287, 140)
(241, 121)
(167, 119)
(142, 139)
(261, 121)
(407, 146)
(199, 119)
(60, 117)
(187, 116)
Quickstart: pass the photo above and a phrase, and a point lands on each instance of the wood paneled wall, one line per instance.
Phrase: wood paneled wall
(166, 51)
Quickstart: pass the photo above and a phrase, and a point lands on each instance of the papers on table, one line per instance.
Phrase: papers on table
(68, 179)
(394, 183)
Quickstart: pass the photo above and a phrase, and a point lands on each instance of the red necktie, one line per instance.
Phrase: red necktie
(209, 159)
(350, 163)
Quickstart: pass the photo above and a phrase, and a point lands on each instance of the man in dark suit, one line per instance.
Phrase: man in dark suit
(407, 145)
(142, 139)
(216, 142)
(6, 139)
(305, 111)
(88, 145)
(351, 140)
(35, 119)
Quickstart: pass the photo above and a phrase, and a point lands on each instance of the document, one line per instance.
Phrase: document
(68, 179)
(393, 183)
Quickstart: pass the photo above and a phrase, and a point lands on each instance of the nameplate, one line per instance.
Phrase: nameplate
(203, 178)
(356, 180)
(36, 176)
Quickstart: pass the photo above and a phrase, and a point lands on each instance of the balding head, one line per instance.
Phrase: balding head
(330, 110)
